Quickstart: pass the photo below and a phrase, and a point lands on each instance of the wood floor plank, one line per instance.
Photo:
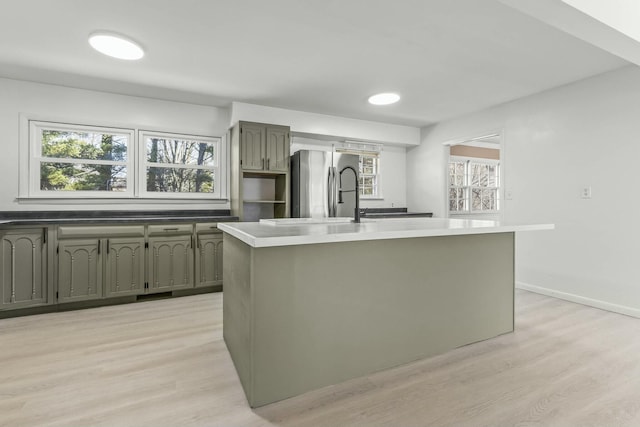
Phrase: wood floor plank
(164, 363)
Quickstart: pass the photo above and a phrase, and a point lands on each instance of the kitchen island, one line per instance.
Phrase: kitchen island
(311, 303)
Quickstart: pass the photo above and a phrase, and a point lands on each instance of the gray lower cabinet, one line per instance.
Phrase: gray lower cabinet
(124, 269)
(24, 268)
(65, 263)
(100, 261)
(209, 259)
(79, 270)
(170, 263)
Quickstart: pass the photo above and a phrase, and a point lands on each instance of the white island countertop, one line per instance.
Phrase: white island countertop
(288, 232)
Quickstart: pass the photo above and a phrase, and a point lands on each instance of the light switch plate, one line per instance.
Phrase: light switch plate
(586, 193)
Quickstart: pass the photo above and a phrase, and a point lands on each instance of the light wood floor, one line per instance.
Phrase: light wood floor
(164, 363)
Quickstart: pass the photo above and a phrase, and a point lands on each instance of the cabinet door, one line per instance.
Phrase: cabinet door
(252, 139)
(79, 270)
(277, 149)
(170, 263)
(24, 278)
(124, 266)
(209, 260)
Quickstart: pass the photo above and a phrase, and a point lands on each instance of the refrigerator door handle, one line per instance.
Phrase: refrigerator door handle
(330, 191)
(334, 186)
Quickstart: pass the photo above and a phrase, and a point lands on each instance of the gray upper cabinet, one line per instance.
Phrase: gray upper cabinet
(208, 255)
(277, 148)
(124, 266)
(79, 270)
(24, 268)
(264, 147)
(252, 146)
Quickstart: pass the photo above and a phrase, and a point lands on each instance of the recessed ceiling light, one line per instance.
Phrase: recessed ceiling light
(116, 46)
(384, 98)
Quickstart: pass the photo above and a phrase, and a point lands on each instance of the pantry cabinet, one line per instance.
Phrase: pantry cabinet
(259, 171)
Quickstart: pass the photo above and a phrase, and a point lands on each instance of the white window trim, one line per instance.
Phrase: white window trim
(378, 193)
(35, 160)
(28, 188)
(143, 164)
(470, 187)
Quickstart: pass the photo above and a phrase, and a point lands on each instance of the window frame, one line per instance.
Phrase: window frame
(376, 187)
(216, 169)
(30, 146)
(468, 187)
(36, 127)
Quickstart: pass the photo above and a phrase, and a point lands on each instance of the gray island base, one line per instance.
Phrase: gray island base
(300, 317)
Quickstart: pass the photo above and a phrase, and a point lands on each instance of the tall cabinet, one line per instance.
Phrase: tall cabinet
(260, 171)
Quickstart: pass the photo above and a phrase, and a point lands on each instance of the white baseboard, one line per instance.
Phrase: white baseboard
(629, 311)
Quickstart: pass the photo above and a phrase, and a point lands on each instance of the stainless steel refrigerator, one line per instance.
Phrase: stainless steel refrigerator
(318, 179)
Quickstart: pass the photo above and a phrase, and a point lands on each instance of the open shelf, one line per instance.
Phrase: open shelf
(255, 211)
(264, 196)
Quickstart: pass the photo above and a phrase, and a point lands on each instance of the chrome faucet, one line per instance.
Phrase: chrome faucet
(356, 217)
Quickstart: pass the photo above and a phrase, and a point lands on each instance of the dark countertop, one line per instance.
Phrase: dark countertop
(113, 217)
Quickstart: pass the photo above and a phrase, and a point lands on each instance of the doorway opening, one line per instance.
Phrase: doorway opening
(474, 182)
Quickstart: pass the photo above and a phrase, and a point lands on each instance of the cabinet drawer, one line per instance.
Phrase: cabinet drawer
(169, 229)
(100, 231)
(207, 228)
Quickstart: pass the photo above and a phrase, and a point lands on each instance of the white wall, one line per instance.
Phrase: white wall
(89, 107)
(393, 177)
(556, 143)
(322, 124)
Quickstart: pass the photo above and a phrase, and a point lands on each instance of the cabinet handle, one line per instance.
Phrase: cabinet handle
(108, 246)
(262, 163)
(44, 236)
(268, 164)
(99, 246)
(171, 229)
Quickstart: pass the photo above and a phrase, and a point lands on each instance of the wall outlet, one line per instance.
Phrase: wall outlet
(508, 194)
(586, 193)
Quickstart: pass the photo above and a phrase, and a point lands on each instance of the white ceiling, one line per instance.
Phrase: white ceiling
(445, 57)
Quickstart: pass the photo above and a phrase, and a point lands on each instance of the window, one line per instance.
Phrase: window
(81, 159)
(90, 161)
(180, 164)
(369, 175)
(474, 185)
